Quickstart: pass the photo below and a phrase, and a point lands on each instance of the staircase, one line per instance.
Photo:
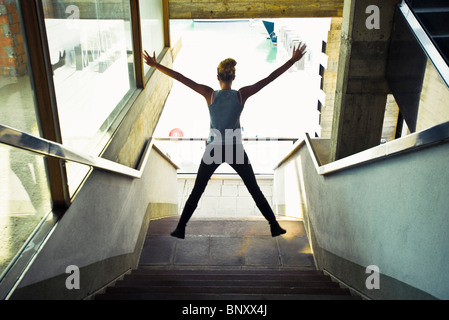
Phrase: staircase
(150, 284)
(226, 260)
(433, 16)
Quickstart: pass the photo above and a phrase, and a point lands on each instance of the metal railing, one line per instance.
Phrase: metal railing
(264, 152)
(244, 139)
(18, 139)
(425, 41)
(415, 141)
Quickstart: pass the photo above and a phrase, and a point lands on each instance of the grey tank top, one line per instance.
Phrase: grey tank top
(225, 111)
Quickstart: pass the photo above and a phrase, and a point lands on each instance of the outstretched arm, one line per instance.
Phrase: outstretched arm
(204, 90)
(248, 91)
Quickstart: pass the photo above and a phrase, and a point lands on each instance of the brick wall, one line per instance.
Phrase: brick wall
(12, 48)
(225, 197)
(48, 9)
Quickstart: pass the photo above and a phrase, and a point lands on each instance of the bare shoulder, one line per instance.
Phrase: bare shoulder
(245, 93)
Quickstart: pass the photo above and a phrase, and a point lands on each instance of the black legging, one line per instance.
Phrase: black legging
(240, 163)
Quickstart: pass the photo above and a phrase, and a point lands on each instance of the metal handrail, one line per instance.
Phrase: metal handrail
(425, 41)
(265, 139)
(19, 139)
(412, 142)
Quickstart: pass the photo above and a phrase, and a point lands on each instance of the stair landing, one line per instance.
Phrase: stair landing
(227, 243)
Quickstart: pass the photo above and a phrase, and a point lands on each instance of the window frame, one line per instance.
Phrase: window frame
(42, 81)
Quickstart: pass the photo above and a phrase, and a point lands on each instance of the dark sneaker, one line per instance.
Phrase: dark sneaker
(276, 230)
(179, 233)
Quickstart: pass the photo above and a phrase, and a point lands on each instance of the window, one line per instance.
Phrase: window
(91, 51)
(24, 193)
(151, 13)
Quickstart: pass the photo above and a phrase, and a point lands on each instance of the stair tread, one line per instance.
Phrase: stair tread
(150, 270)
(192, 277)
(227, 283)
(229, 290)
(222, 296)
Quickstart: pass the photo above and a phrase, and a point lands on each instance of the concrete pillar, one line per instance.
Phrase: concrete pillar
(362, 89)
(330, 76)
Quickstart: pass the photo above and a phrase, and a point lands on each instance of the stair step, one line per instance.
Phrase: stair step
(234, 272)
(226, 283)
(222, 296)
(224, 277)
(149, 283)
(227, 290)
(150, 270)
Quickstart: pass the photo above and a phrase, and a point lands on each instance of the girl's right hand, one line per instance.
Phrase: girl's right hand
(151, 61)
(299, 52)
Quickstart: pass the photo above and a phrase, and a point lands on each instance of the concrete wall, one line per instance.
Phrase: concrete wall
(434, 100)
(286, 191)
(143, 117)
(391, 213)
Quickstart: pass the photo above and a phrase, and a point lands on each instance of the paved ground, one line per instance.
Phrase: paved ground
(227, 243)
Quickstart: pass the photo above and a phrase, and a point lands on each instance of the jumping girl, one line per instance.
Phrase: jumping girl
(225, 143)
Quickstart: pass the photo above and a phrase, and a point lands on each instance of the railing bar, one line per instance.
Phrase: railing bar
(432, 10)
(412, 142)
(409, 143)
(272, 139)
(426, 42)
(18, 139)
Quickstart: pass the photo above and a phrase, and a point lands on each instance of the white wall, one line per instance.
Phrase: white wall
(392, 213)
(225, 196)
(104, 222)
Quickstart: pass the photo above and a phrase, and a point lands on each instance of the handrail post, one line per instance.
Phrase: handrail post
(44, 90)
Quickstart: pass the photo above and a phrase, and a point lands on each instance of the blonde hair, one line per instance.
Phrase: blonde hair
(226, 69)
